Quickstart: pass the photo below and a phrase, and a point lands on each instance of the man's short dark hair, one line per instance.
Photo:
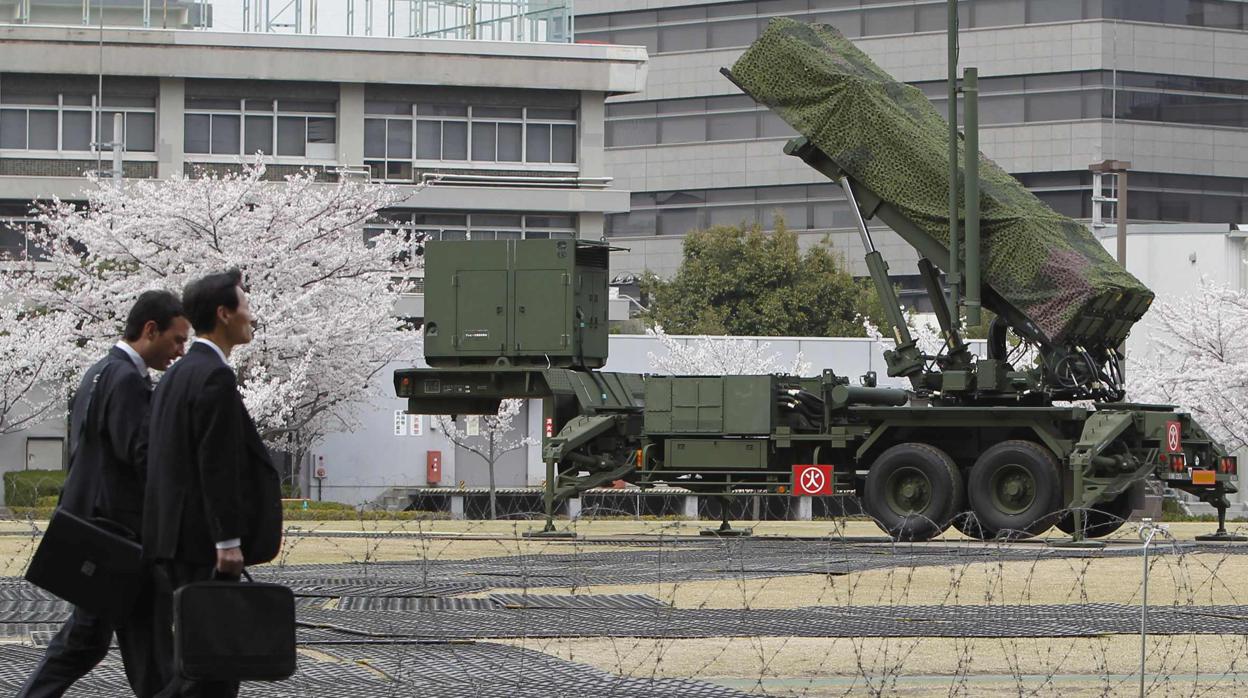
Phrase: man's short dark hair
(160, 307)
(204, 295)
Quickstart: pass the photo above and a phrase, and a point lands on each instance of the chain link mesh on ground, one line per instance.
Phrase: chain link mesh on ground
(650, 608)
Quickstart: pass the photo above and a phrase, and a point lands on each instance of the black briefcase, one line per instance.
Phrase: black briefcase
(234, 631)
(86, 564)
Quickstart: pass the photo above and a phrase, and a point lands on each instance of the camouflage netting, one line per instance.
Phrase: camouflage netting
(887, 136)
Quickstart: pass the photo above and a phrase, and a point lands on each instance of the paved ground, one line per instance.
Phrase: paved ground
(475, 609)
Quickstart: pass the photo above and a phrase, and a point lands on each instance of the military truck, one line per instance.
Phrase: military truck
(996, 445)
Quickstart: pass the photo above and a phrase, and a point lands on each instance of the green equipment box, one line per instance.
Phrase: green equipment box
(516, 303)
(737, 405)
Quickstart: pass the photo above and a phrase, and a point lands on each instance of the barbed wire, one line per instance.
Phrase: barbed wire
(417, 603)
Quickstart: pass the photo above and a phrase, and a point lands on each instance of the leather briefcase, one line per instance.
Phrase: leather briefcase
(234, 631)
(90, 566)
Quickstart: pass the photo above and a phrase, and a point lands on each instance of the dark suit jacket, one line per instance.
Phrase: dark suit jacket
(108, 443)
(210, 477)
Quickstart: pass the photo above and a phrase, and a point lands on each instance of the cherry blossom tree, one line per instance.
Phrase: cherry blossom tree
(1198, 360)
(322, 294)
(35, 368)
(719, 356)
(489, 437)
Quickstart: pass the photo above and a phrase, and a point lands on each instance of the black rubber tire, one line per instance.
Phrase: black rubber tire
(1102, 519)
(926, 466)
(1035, 507)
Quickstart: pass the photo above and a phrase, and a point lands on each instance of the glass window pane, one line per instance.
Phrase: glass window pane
(42, 127)
(398, 169)
(225, 133)
(258, 105)
(682, 129)
(537, 148)
(648, 37)
(258, 135)
(551, 114)
(76, 100)
(741, 32)
(322, 130)
(497, 112)
(730, 215)
(563, 143)
(399, 139)
(483, 142)
(140, 132)
(682, 37)
(641, 222)
(677, 221)
(632, 132)
(772, 126)
(303, 105)
(888, 20)
(104, 128)
(723, 127)
(429, 140)
(999, 13)
(291, 135)
(1054, 10)
(1057, 106)
(372, 106)
(131, 101)
(510, 142)
(1003, 109)
(212, 103)
(13, 128)
(195, 133)
(496, 220)
(454, 140)
(76, 130)
(374, 138)
(441, 110)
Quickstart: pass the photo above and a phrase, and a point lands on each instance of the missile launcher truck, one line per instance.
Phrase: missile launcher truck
(993, 445)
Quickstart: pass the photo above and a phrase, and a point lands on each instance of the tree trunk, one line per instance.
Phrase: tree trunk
(493, 495)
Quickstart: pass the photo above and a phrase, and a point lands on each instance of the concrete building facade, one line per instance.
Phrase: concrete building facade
(1162, 84)
(490, 140)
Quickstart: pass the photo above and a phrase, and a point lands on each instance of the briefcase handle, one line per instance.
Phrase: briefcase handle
(217, 576)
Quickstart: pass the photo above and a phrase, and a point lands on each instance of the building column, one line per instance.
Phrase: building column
(592, 135)
(170, 136)
(574, 508)
(691, 507)
(801, 509)
(351, 125)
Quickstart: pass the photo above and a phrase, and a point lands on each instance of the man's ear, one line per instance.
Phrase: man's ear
(150, 330)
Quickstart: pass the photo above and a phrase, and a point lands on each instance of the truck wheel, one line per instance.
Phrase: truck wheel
(1101, 519)
(967, 523)
(912, 491)
(1015, 489)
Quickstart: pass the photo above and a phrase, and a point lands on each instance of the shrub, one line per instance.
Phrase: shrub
(24, 488)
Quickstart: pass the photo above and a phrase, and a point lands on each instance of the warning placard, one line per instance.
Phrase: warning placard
(812, 480)
(1174, 437)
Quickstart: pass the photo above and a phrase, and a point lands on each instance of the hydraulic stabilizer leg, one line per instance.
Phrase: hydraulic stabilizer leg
(725, 529)
(1220, 503)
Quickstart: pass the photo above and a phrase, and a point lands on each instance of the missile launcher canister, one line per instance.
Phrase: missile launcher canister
(887, 137)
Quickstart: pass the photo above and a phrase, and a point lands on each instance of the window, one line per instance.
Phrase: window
(62, 122)
(388, 147)
(478, 226)
(13, 241)
(495, 134)
(287, 128)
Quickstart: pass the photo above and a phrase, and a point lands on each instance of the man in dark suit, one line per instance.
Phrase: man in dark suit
(213, 494)
(107, 472)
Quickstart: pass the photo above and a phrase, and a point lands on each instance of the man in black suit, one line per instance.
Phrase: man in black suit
(107, 472)
(213, 493)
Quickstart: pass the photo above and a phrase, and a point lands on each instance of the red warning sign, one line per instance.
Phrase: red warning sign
(1174, 437)
(812, 480)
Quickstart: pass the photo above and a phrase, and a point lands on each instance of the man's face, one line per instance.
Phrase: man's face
(165, 347)
(238, 321)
